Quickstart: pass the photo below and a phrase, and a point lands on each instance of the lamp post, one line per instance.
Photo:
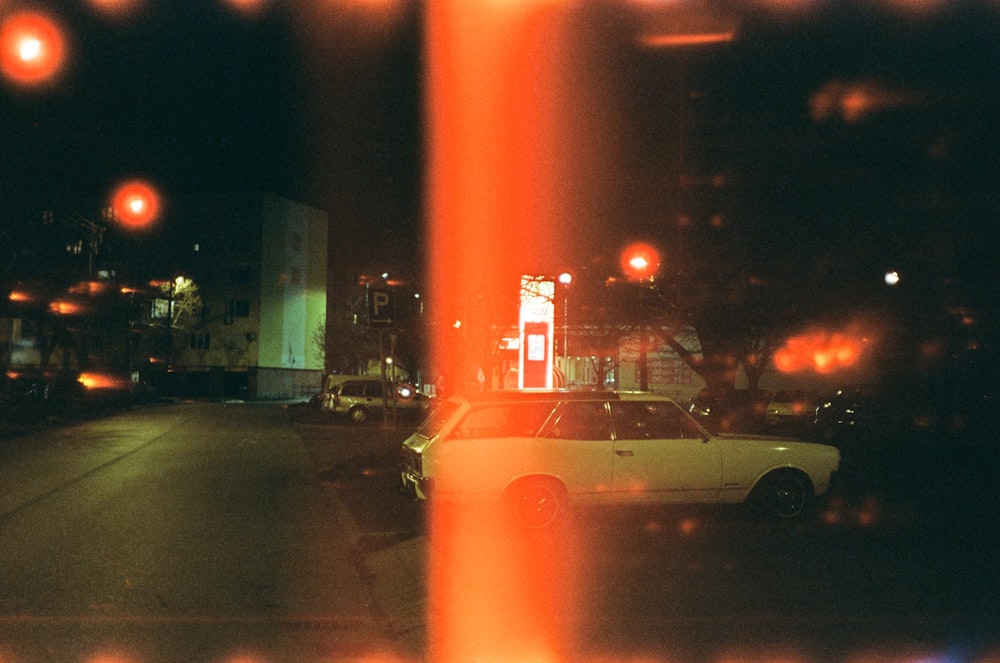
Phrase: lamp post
(564, 280)
(639, 262)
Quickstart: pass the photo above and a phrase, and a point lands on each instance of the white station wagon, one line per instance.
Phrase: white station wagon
(537, 452)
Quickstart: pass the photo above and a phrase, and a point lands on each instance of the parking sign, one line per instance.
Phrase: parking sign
(380, 306)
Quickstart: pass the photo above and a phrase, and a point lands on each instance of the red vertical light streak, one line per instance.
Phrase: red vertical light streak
(495, 208)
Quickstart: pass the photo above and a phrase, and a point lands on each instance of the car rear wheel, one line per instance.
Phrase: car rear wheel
(359, 415)
(536, 502)
(785, 494)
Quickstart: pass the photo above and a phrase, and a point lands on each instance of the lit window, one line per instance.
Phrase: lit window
(160, 309)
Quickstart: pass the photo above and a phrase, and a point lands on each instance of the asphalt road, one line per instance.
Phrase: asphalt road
(187, 532)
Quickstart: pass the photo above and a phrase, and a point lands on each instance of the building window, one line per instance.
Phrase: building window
(241, 275)
(238, 308)
(200, 341)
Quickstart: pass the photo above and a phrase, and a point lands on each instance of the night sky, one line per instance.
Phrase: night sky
(323, 106)
(320, 106)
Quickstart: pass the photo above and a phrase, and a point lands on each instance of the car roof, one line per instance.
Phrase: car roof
(535, 395)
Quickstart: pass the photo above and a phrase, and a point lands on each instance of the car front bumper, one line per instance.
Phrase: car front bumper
(415, 485)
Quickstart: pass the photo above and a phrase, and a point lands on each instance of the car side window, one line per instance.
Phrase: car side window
(502, 420)
(581, 420)
(352, 388)
(651, 420)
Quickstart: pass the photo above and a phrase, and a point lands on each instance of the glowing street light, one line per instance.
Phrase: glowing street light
(640, 261)
(32, 48)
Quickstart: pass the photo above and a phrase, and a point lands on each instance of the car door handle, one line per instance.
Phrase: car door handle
(624, 453)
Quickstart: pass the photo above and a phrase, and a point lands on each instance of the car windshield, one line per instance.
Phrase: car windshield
(221, 219)
(438, 417)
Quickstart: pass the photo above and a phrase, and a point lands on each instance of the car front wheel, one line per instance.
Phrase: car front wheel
(536, 502)
(359, 415)
(785, 494)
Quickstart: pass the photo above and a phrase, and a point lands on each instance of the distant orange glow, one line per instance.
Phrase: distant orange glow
(682, 40)
(101, 381)
(90, 288)
(116, 7)
(19, 296)
(854, 101)
(821, 351)
(136, 203)
(111, 658)
(247, 7)
(32, 48)
(64, 307)
(372, 4)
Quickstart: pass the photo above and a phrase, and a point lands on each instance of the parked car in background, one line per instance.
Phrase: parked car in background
(884, 416)
(32, 397)
(363, 398)
(536, 453)
(22, 397)
(729, 410)
(849, 415)
(791, 410)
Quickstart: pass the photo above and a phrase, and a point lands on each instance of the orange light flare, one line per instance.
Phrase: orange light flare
(20, 296)
(853, 101)
(682, 25)
(117, 8)
(822, 351)
(89, 288)
(33, 48)
(247, 7)
(65, 307)
(111, 658)
(102, 381)
(135, 203)
(510, 147)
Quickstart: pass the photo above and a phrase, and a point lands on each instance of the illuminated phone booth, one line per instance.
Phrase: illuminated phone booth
(537, 319)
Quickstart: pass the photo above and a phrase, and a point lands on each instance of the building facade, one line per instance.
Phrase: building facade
(262, 291)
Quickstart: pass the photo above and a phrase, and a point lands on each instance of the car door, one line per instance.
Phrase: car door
(576, 447)
(375, 394)
(661, 455)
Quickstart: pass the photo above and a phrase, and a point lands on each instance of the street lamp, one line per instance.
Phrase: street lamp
(564, 280)
(640, 261)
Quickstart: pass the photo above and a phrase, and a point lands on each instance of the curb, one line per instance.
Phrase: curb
(393, 574)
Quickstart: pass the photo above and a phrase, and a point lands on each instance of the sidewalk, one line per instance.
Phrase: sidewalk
(395, 571)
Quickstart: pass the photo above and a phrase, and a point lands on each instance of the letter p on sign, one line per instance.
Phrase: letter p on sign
(380, 307)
